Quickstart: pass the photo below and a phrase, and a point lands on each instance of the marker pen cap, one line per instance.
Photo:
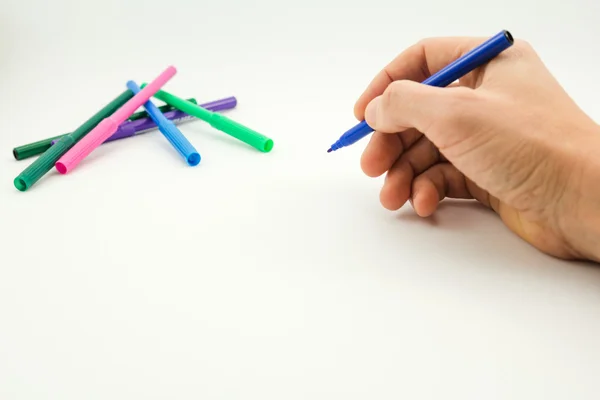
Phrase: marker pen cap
(43, 164)
(241, 132)
(33, 149)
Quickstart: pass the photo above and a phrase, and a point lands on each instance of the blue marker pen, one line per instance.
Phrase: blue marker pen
(457, 69)
(168, 129)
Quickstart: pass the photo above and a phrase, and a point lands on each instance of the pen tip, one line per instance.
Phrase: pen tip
(330, 150)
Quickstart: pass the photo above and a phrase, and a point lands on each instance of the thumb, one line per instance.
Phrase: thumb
(436, 112)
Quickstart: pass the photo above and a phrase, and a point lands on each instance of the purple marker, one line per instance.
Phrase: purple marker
(143, 125)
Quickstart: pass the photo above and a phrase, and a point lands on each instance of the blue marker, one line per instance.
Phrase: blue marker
(169, 130)
(459, 68)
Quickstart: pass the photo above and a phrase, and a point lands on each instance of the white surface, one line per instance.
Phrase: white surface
(269, 276)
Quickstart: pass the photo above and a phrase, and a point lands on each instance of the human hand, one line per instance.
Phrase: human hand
(506, 134)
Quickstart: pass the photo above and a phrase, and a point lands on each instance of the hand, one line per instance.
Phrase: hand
(506, 135)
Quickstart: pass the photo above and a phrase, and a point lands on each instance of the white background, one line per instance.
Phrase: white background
(268, 276)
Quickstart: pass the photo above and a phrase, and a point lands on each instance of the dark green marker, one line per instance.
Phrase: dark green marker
(47, 160)
(33, 149)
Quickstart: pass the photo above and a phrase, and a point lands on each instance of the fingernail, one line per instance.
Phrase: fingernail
(371, 112)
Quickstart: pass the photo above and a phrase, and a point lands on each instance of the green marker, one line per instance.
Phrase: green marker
(47, 160)
(33, 149)
(218, 121)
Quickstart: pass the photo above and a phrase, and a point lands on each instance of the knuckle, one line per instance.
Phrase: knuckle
(425, 42)
(523, 44)
(420, 48)
(421, 44)
(392, 95)
(391, 104)
(522, 49)
(397, 95)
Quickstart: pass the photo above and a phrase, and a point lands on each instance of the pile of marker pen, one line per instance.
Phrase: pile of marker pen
(117, 120)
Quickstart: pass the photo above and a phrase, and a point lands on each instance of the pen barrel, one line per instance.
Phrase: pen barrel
(143, 95)
(43, 164)
(241, 132)
(86, 145)
(104, 113)
(221, 105)
(183, 105)
(179, 117)
(472, 60)
(180, 142)
(123, 131)
(175, 116)
(33, 149)
(163, 109)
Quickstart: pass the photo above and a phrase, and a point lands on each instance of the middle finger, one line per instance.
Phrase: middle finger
(384, 149)
(398, 183)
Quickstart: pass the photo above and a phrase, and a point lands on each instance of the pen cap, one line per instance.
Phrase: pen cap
(241, 132)
(43, 164)
(33, 149)
(85, 146)
(183, 146)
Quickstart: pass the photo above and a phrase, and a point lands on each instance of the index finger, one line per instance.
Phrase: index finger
(416, 63)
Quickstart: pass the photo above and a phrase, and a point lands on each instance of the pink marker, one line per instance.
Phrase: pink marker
(107, 127)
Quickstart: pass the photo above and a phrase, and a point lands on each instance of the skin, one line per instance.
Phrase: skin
(506, 135)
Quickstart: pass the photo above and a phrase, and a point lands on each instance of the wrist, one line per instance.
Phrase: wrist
(590, 216)
(581, 221)
(587, 235)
